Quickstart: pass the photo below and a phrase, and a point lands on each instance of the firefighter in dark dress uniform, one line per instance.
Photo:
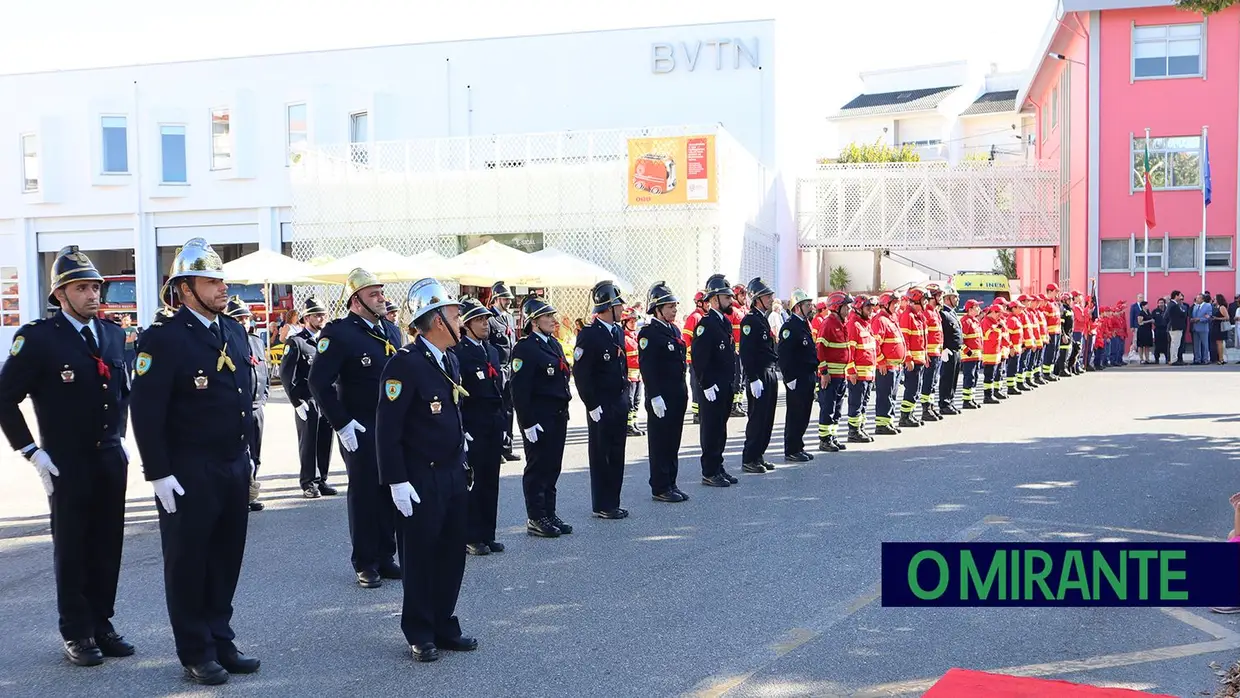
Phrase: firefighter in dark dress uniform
(344, 381)
(504, 339)
(661, 352)
(193, 419)
(540, 396)
(759, 359)
(421, 445)
(602, 384)
(483, 414)
(798, 363)
(260, 378)
(714, 366)
(72, 367)
(314, 432)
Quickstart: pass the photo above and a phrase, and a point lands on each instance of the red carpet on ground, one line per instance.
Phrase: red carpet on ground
(964, 683)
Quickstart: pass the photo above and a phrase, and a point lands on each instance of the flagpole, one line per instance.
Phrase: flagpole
(1205, 169)
(1145, 259)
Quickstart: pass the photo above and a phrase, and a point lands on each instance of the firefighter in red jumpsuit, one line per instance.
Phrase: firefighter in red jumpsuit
(860, 373)
(691, 324)
(994, 339)
(834, 358)
(971, 351)
(913, 327)
(629, 320)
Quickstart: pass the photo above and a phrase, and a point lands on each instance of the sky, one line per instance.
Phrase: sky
(850, 36)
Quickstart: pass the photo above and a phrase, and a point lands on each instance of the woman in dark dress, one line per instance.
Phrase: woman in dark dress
(1216, 330)
(1162, 338)
(1145, 332)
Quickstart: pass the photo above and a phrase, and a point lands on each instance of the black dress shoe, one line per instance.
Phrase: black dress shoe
(113, 645)
(311, 492)
(683, 497)
(728, 476)
(510, 456)
(425, 652)
(236, 663)
(796, 457)
(716, 481)
(327, 490)
(807, 455)
(495, 546)
(256, 506)
(477, 548)
(206, 674)
(561, 524)
(460, 644)
(369, 579)
(768, 464)
(543, 528)
(390, 570)
(669, 496)
(610, 514)
(755, 468)
(83, 652)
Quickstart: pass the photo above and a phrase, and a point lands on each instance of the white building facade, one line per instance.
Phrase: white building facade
(128, 163)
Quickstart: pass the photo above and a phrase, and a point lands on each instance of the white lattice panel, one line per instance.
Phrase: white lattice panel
(933, 205)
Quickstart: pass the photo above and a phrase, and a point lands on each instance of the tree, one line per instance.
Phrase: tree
(875, 152)
(1205, 7)
(1005, 263)
(840, 279)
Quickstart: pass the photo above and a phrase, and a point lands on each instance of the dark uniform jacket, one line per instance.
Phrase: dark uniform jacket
(503, 335)
(77, 409)
(188, 409)
(798, 357)
(418, 420)
(661, 356)
(953, 335)
(1067, 320)
(345, 375)
(714, 359)
(299, 353)
(599, 366)
(539, 380)
(260, 374)
(482, 379)
(758, 355)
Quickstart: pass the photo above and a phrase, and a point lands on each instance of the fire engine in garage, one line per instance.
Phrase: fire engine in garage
(119, 296)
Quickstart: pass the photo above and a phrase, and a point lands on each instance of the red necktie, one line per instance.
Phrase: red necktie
(491, 373)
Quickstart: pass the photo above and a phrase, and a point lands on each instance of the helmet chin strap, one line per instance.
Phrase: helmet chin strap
(455, 339)
(194, 292)
(77, 314)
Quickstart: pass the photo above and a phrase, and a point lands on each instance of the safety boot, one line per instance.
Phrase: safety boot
(856, 436)
(906, 420)
(928, 414)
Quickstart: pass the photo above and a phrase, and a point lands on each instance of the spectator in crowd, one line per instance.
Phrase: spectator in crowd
(580, 325)
(1145, 331)
(1177, 325)
(1232, 308)
(1203, 311)
(1134, 312)
(1162, 339)
(776, 317)
(1217, 323)
(291, 325)
(131, 341)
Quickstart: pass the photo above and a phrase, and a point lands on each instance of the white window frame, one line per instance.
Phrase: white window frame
(228, 138)
(103, 147)
(1055, 104)
(1166, 40)
(163, 181)
(359, 149)
(38, 164)
(1044, 118)
(1230, 244)
(1144, 256)
(288, 130)
(1138, 148)
(1125, 270)
(1196, 252)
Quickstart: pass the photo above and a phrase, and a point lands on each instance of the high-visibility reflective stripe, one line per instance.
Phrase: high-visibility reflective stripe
(917, 355)
(834, 345)
(906, 407)
(882, 421)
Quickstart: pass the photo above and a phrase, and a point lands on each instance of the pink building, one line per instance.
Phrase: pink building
(1107, 71)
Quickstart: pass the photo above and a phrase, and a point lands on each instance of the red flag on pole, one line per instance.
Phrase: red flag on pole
(1149, 189)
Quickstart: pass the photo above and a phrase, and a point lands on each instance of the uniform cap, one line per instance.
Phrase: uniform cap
(390, 306)
(934, 290)
(605, 294)
(660, 294)
(237, 308)
(472, 309)
(971, 304)
(314, 306)
(1052, 288)
(500, 290)
(717, 285)
(71, 265)
(799, 296)
(758, 288)
(535, 307)
(426, 295)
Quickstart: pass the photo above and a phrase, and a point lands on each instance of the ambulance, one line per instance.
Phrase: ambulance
(983, 286)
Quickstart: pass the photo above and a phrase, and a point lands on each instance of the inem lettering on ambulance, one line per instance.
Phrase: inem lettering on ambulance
(1061, 574)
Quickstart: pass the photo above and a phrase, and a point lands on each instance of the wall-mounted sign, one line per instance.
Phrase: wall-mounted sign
(667, 56)
(675, 170)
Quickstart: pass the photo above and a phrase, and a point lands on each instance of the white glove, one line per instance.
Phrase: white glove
(303, 411)
(404, 497)
(348, 435)
(468, 438)
(792, 384)
(531, 434)
(596, 413)
(165, 487)
(756, 388)
(46, 468)
(711, 393)
(659, 407)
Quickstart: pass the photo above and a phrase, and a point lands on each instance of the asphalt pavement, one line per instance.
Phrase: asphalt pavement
(768, 588)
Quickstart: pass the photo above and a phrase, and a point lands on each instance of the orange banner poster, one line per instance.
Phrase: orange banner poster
(672, 170)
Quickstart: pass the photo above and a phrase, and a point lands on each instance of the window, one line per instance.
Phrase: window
(115, 145)
(1183, 254)
(1151, 259)
(297, 131)
(1044, 118)
(1114, 255)
(30, 162)
(1172, 51)
(1175, 163)
(1055, 106)
(1218, 253)
(172, 154)
(221, 142)
(359, 132)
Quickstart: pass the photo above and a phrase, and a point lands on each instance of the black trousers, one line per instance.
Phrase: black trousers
(885, 387)
(858, 400)
(509, 414)
(949, 374)
(607, 440)
(912, 384)
(713, 432)
(314, 447)
(1013, 370)
(543, 460)
(372, 515)
(831, 406)
(698, 397)
(204, 543)
(761, 417)
(799, 409)
(88, 531)
(1075, 354)
(256, 443)
(432, 555)
(992, 377)
(485, 457)
(635, 401)
(663, 435)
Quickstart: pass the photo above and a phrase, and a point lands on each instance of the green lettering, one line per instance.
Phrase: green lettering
(1039, 576)
(971, 577)
(944, 575)
(1073, 576)
(1118, 584)
(1015, 594)
(1166, 575)
(1143, 572)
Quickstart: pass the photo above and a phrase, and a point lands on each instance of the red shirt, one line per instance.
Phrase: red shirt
(686, 334)
(934, 331)
(971, 329)
(630, 356)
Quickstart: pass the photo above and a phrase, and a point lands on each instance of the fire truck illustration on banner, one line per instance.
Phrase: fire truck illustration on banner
(654, 173)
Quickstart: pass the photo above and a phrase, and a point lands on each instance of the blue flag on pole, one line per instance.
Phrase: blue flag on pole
(1206, 185)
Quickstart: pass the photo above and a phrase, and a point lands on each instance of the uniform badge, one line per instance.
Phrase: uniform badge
(436, 407)
(391, 388)
(200, 382)
(323, 343)
(745, 330)
(142, 365)
(365, 360)
(641, 343)
(606, 356)
(786, 333)
(17, 345)
(516, 365)
(551, 370)
(481, 375)
(66, 376)
(671, 347)
(700, 330)
(764, 335)
(577, 353)
(721, 346)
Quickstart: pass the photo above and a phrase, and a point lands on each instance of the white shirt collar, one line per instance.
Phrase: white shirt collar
(716, 312)
(665, 324)
(435, 352)
(474, 341)
(542, 336)
(202, 318)
(77, 326)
